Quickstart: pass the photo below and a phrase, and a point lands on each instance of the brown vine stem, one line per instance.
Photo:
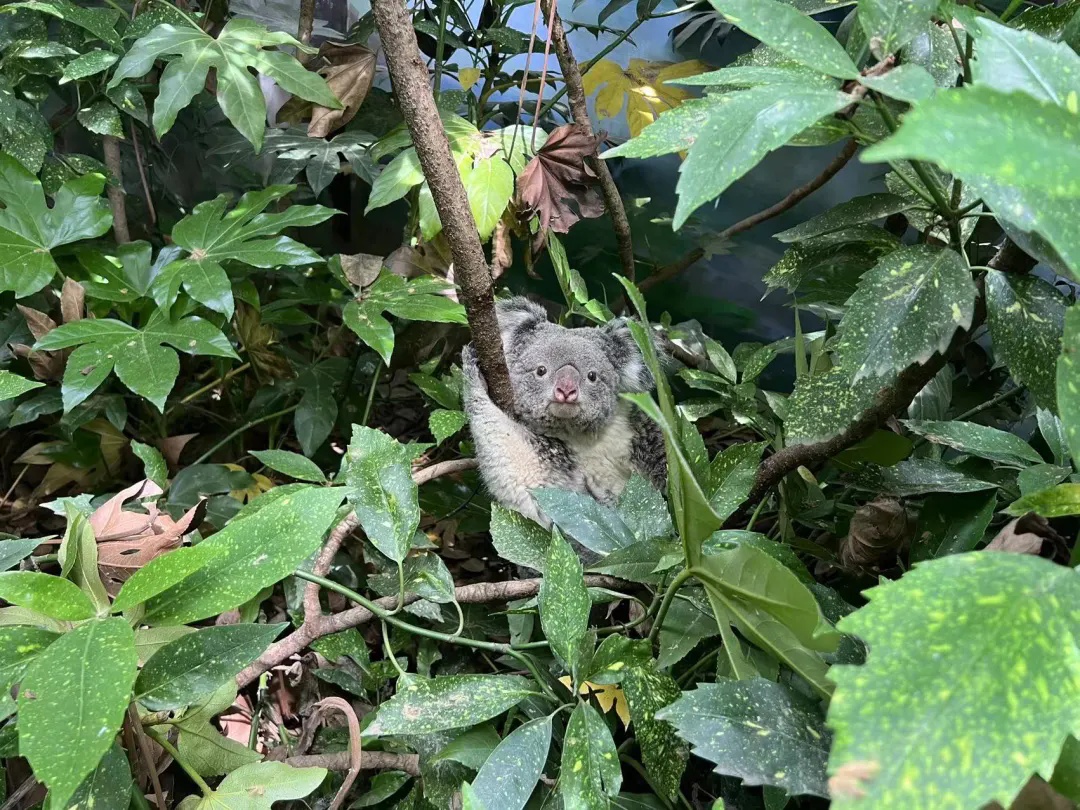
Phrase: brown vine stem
(580, 112)
(412, 89)
(111, 147)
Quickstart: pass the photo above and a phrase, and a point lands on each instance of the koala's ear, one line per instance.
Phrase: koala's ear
(622, 350)
(516, 316)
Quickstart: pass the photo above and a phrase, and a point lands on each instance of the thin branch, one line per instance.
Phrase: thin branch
(142, 174)
(580, 111)
(355, 750)
(412, 90)
(372, 761)
(111, 146)
(305, 25)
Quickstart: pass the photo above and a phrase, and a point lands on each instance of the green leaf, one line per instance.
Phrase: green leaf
(1009, 60)
(13, 551)
(489, 186)
(108, 787)
(1060, 501)
(382, 490)
(101, 22)
(444, 424)
(138, 357)
(258, 785)
(910, 83)
(55, 597)
(663, 754)
(370, 326)
(256, 552)
(101, 118)
(395, 180)
(246, 234)
(583, 518)
(787, 30)
(977, 440)
(891, 24)
(856, 211)
(905, 309)
(162, 573)
(78, 558)
(202, 746)
(293, 465)
(1026, 317)
(508, 777)
(758, 731)
(318, 410)
(644, 510)
(732, 476)
(615, 657)
(239, 47)
(12, 385)
(154, 466)
(30, 229)
(685, 626)
(425, 706)
(64, 731)
(1068, 381)
(564, 604)
(952, 524)
(89, 64)
(518, 539)
(990, 641)
(590, 773)
(916, 476)
(19, 645)
(198, 663)
(824, 405)
(471, 749)
(320, 159)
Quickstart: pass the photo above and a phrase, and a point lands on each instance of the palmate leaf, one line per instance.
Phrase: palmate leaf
(139, 357)
(29, 229)
(241, 46)
(245, 234)
(971, 686)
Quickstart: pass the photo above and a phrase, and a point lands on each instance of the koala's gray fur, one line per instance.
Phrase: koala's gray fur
(592, 446)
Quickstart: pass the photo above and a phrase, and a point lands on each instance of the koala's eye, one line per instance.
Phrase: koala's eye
(541, 371)
(592, 376)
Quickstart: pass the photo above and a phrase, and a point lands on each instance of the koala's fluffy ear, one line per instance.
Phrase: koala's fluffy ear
(622, 350)
(516, 316)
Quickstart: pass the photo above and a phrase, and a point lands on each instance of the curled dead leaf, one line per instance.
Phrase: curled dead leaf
(502, 253)
(878, 530)
(171, 448)
(349, 74)
(72, 301)
(259, 340)
(1027, 534)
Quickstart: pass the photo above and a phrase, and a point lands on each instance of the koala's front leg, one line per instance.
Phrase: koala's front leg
(511, 457)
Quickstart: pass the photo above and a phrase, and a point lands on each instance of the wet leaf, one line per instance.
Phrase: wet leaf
(425, 706)
(977, 440)
(508, 777)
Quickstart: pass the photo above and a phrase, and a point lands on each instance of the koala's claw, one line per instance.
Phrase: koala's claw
(471, 370)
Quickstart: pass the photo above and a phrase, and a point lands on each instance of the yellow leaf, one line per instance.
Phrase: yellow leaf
(602, 72)
(259, 485)
(468, 77)
(607, 696)
(640, 87)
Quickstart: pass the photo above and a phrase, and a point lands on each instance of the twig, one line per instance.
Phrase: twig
(580, 111)
(372, 761)
(410, 79)
(111, 147)
(142, 174)
(355, 750)
(20, 793)
(305, 25)
(243, 429)
(135, 725)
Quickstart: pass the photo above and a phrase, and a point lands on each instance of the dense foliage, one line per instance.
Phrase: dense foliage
(246, 558)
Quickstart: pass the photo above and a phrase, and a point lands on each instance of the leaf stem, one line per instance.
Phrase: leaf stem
(665, 606)
(371, 394)
(243, 428)
(170, 749)
(1010, 9)
(440, 47)
(210, 385)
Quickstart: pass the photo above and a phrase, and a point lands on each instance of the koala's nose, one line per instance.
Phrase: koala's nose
(566, 385)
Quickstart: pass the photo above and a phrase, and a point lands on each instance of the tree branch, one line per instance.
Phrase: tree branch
(580, 112)
(409, 76)
(305, 25)
(372, 761)
(111, 147)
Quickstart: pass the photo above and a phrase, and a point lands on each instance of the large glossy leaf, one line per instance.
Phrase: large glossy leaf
(915, 476)
(825, 404)
(138, 356)
(12, 385)
(291, 464)
(518, 539)
(29, 228)
(45, 593)
(256, 552)
(977, 440)
(198, 663)
(65, 730)
(425, 706)
(1026, 317)
(489, 187)
(257, 786)
(507, 777)
(758, 731)
(581, 517)
(382, 490)
(245, 235)
(1008, 59)
(787, 30)
(107, 787)
(663, 754)
(161, 573)
(241, 46)
(564, 603)
(1068, 381)
(905, 309)
(590, 774)
(891, 24)
(970, 686)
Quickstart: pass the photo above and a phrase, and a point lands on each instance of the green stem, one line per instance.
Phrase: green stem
(440, 46)
(161, 740)
(371, 394)
(669, 597)
(1010, 10)
(754, 517)
(1004, 396)
(942, 204)
(242, 429)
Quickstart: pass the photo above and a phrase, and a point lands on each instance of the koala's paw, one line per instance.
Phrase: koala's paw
(474, 380)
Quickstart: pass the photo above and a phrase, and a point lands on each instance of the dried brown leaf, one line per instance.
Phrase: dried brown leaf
(258, 340)
(172, 447)
(502, 252)
(37, 322)
(72, 301)
(361, 269)
(45, 365)
(349, 75)
(1027, 534)
(557, 185)
(878, 530)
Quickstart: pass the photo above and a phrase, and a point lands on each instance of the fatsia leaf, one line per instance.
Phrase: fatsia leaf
(241, 46)
(257, 786)
(12, 385)
(564, 603)
(1026, 317)
(382, 490)
(64, 731)
(425, 706)
(29, 228)
(975, 656)
(758, 731)
(245, 235)
(138, 356)
(905, 309)
(977, 440)
(509, 775)
(1068, 381)
(891, 24)
(590, 774)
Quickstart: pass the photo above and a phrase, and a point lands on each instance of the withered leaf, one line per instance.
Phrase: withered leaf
(350, 73)
(37, 322)
(1027, 534)
(259, 339)
(502, 252)
(557, 185)
(878, 530)
(361, 269)
(172, 446)
(72, 301)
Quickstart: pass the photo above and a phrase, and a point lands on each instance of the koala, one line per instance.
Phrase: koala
(570, 429)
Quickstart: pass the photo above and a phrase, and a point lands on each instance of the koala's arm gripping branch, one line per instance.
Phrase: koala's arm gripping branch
(409, 76)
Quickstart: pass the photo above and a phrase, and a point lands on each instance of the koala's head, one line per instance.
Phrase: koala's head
(568, 381)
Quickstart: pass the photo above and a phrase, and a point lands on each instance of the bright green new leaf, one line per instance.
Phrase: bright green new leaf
(64, 730)
(12, 385)
(1026, 317)
(161, 573)
(518, 539)
(382, 490)
(291, 464)
(590, 772)
(977, 440)
(256, 552)
(425, 706)
(471, 748)
(905, 309)
(44, 593)
(241, 46)
(1068, 381)
(663, 754)
(790, 32)
(257, 786)
(564, 604)
(1060, 501)
(972, 678)
(396, 179)
(489, 186)
(891, 24)
(507, 778)
(825, 404)
(444, 424)
(29, 228)
(245, 235)
(198, 663)
(138, 357)
(758, 731)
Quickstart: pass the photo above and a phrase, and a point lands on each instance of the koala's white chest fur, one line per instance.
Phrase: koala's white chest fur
(605, 458)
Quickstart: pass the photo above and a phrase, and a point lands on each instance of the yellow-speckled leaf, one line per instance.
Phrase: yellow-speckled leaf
(1068, 381)
(564, 604)
(509, 775)
(425, 706)
(823, 405)
(258, 785)
(663, 754)
(971, 686)
(590, 773)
